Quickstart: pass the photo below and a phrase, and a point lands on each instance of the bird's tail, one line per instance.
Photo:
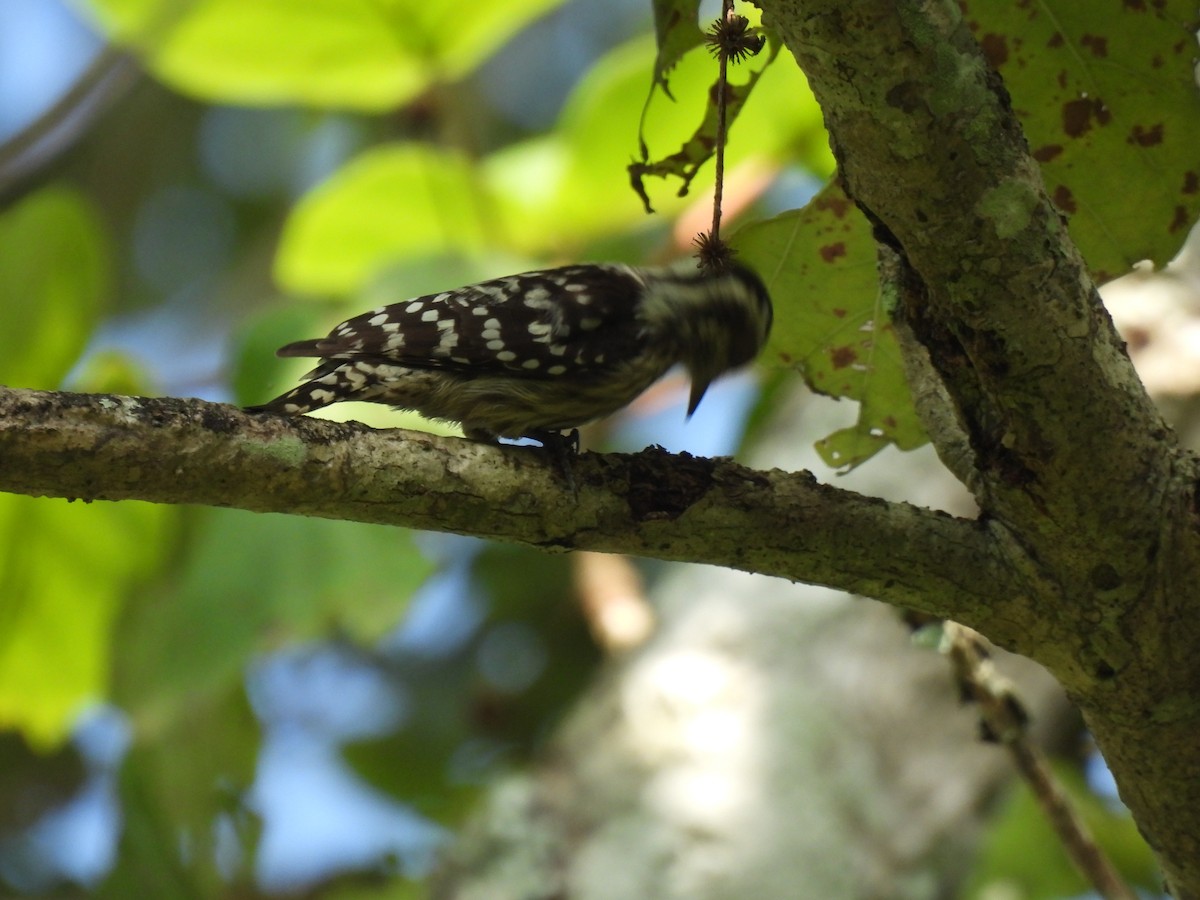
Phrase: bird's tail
(325, 384)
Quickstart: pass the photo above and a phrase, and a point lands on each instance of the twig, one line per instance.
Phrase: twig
(111, 73)
(1004, 720)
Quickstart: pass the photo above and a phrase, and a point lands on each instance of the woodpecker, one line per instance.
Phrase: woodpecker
(538, 354)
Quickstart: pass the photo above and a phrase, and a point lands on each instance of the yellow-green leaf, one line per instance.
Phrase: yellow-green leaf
(676, 31)
(392, 202)
(54, 279)
(361, 54)
(250, 582)
(65, 571)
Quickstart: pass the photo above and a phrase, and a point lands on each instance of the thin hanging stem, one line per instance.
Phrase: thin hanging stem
(718, 189)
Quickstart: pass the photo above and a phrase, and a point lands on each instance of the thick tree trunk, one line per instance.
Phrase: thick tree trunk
(1068, 455)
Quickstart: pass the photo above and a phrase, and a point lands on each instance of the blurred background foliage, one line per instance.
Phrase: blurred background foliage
(199, 701)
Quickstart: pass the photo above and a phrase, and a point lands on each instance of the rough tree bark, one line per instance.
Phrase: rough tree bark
(1068, 454)
(1085, 557)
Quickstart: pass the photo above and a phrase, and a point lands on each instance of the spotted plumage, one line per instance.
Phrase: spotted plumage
(538, 353)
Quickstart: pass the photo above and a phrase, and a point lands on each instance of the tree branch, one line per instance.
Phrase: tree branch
(104, 447)
(109, 75)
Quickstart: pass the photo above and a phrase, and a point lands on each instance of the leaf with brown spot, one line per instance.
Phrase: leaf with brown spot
(831, 252)
(995, 48)
(1097, 44)
(829, 325)
(841, 357)
(1147, 137)
(1064, 199)
(1093, 84)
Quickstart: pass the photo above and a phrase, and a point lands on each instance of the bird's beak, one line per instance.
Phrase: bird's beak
(700, 384)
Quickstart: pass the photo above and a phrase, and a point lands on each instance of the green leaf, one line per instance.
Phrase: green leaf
(65, 572)
(413, 766)
(172, 790)
(329, 53)
(392, 202)
(676, 31)
(819, 265)
(361, 54)
(54, 279)
(251, 582)
(455, 36)
(111, 372)
(364, 54)
(1107, 95)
